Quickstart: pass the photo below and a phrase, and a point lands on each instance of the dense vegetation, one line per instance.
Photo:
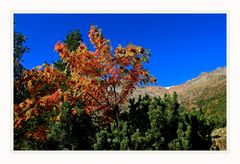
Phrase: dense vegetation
(80, 104)
(146, 124)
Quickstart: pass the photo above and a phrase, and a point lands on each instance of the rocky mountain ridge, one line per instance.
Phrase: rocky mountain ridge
(207, 91)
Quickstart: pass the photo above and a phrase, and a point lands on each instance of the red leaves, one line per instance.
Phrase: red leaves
(78, 86)
(17, 122)
(100, 79)
(119, 50)
(74, 111)
(59, 47)
(47, 69)
(92, 82)
(132, 49)
(81, 46)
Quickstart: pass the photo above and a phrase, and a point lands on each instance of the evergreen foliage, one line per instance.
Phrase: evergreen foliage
(156, 124)
(19, 46)
(73, 39)
(72, 132)
(20, 93)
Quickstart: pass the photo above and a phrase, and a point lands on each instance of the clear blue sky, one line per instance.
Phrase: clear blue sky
(182, 45)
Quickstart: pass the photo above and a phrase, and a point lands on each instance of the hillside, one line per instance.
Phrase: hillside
(207, 91)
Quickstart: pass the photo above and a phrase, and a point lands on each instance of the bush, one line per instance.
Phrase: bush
(156, 124)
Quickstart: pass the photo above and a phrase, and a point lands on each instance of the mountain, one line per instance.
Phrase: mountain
(206, 92)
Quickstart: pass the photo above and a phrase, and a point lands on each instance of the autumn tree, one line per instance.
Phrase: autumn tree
(105, 79)
(100, 80)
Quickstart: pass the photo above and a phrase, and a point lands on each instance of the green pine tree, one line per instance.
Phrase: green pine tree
(19, 46)
(73, 38)
(19, 49)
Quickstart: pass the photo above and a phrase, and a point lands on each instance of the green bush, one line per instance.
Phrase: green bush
(156, 124)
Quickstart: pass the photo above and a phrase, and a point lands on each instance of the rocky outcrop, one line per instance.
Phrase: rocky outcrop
(219, 139)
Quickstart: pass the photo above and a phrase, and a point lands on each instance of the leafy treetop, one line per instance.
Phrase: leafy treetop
(100, 79)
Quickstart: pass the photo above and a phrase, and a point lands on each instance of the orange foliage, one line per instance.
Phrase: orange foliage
(102, 79)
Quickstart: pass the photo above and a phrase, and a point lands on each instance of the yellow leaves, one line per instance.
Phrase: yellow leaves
(23, 111)
(145, 73)
(30, 85)
(28, 114)
(119, 51)
(58, 117)
(131, 50)
(141, 50)
(29, 101)
(153, 80)
(24, 105)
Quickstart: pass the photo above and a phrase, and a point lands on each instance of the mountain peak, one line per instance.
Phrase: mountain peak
(207, 91)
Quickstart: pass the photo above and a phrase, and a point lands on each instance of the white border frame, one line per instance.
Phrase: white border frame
(139, 12)
(172, 6)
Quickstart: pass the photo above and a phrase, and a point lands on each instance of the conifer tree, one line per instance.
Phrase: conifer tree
(73, 39)
(19, 46)
(19, 50)
(156, 124)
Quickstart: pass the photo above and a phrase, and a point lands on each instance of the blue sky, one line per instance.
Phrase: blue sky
(182, 45)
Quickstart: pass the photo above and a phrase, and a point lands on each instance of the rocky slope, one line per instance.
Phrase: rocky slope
(207, 91)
